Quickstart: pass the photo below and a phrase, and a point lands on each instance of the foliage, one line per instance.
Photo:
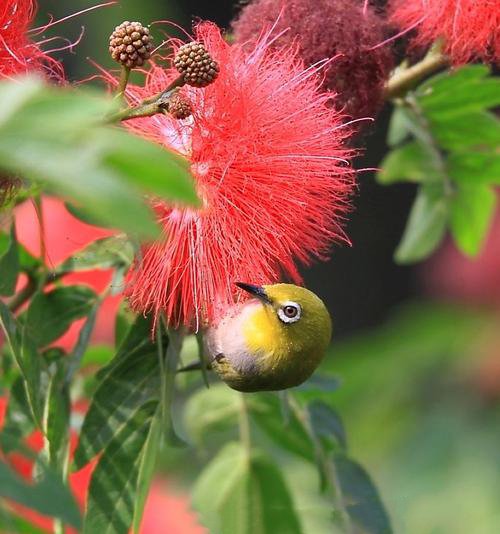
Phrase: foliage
(444, 139)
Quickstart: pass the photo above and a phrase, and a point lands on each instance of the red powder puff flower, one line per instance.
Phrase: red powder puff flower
(346, 30)
(18, 54)
(470, 28)
(271, 171)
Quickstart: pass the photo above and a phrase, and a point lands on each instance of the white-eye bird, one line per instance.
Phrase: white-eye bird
(273, 341)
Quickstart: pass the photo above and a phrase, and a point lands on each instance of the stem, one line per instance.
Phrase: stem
(403, 80)
(431, 144)
(122, 85)
(244, 424)
(148, 107)
(37, 201)
(201, 356)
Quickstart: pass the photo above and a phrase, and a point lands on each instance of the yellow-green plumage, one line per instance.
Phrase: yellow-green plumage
(257, 347)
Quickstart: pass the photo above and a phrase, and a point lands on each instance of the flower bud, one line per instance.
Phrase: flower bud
(196, 65)
(130, 44)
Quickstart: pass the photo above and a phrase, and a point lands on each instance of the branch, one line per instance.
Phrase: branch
(404, 80)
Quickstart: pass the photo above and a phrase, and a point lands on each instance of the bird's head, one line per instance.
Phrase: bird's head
(290, 315)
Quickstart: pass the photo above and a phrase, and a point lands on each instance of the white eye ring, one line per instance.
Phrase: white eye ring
(289, 312)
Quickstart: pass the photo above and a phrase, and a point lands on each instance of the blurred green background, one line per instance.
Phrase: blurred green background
(420, 369)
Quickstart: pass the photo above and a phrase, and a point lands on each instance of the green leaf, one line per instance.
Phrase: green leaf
(147, 464)
(478, 131)
(149, 166)
(398, 127)
(112, 491)
(57, 414)
(267, 413)
(9, 263)
(75, 358)
(106, 253)
(459, 92)
(411, 162)
(242, 493)
(472, 211)
(48, 496)
(18, 419)
(123, 322)
(446, 81)
(319, 383)
(27, 359)
(210, 412)
(471, 168)
(425, 227)
(51, 314)
(129, 381)
(360, 498)
(327, 425)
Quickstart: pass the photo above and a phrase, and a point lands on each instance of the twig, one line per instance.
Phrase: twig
(404, 80)
(149, 106)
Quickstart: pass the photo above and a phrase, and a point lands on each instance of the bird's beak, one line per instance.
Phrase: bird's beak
(256, 291)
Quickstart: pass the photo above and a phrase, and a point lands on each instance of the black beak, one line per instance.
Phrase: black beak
(256, 291)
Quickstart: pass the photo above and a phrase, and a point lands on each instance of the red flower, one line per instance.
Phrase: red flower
(470, 28)
(18, 54)
(268, 158)
(342, 29)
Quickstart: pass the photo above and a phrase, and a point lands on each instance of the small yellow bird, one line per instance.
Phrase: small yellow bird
(273, 341)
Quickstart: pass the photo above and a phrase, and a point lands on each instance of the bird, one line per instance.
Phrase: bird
(273, 341)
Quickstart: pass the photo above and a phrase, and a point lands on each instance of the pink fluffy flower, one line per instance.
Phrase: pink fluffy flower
(470, 28)
(272, 173)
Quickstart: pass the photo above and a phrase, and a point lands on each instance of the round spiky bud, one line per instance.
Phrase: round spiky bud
(196, 65)
(130, 44)
(179, 107)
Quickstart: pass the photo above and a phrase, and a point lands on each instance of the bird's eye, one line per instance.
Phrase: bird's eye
(289, 312)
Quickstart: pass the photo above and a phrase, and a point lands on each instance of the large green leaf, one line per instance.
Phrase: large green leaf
(47, 496)
(244, 493)
(51, 314)
(472, 210)
(425, 227)
(112, 491)
(58, 137)
(9, 263)
(131, 380)
(360, 498)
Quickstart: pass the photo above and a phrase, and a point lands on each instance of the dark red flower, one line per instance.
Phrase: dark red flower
(272, 172)
(342, 29)
(470, 28)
